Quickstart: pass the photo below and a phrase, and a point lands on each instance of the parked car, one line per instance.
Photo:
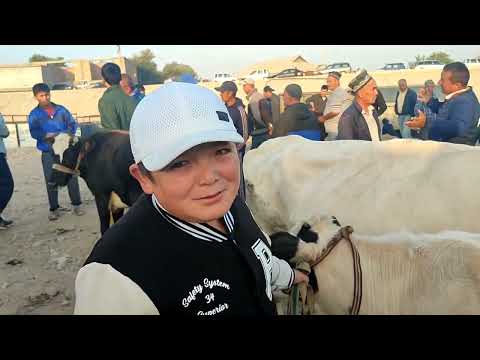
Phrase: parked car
(287, 73)
(339, 67)
(394, 66)
(89, 84)
(472, 63)
(221, 77)
(257, 74)
(429, 64)
(62, 86)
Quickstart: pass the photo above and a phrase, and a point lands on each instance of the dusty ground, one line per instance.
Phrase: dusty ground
(50, 252)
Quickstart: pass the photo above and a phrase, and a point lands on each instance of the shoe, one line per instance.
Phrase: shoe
(64, 209)
(77, 210)
(4, 224)
(54, 215)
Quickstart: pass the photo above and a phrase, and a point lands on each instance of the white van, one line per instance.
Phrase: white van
(429, 64)
(221, 77)
(472, 63)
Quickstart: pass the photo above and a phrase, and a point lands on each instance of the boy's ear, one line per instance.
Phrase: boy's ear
(145, 183)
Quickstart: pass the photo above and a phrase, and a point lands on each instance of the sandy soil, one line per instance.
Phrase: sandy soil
(50, 252)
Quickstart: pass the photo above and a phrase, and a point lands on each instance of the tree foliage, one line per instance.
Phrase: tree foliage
(41, 58)
(147, 72)
(440, 56)
(174, 69)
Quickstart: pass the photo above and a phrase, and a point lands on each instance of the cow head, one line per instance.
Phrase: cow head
(72, 161)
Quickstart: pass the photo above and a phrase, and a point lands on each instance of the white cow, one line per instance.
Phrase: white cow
(403, 273)
(419, 186)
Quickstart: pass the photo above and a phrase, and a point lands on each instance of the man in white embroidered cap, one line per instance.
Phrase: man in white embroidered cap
(189, 245)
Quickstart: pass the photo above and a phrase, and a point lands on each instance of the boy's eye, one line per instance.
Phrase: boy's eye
(177, 165)
(224, 151)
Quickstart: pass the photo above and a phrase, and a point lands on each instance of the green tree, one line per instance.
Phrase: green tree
(420, 58)
(40, 58)
(147, 72)
(441, 56)
(175, 69)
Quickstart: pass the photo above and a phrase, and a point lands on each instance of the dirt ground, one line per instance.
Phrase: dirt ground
(39, 258)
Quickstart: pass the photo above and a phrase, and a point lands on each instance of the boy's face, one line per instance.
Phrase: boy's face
(200, 185)
(43, 98)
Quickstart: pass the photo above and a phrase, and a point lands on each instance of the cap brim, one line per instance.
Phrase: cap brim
(219, 88)
(158, 161)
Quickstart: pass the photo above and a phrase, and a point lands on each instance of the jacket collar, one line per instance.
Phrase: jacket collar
(458, 92)
(200, 231)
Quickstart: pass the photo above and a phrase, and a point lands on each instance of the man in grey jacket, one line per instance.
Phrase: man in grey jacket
(6, 180)
(360, 121)
(338, 101)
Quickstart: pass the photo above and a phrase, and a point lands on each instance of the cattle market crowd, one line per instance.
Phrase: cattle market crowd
(175, 159)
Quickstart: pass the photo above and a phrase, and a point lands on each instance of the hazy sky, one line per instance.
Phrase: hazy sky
(209, 59)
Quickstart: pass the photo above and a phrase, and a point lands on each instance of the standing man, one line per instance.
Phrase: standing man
(405, 107)
(434, 104)
(380, 105)
(129, 88)
(115, 107)
(274, 100)
(297, 119)
(46, 121)
(338, 101)
(317, 102)
(236, 110)
(360, 121)
(6, 179)
(457, 118)
(262, 128)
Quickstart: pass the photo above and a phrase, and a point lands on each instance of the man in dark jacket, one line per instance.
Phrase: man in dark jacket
(317, 102)
(457, 118)
(236, 110)
(297, 119)
(405, 106)
(360, 120)
(380, 105)
(274, 100)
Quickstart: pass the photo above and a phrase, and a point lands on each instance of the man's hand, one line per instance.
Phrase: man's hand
(270, 129)
(328, 116)
(417, 122)
(300, 277)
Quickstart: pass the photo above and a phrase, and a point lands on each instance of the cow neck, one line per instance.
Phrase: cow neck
(334, 275)
(200, 231)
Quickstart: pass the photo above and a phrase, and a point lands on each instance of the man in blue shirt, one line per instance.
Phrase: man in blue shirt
(46, 121)
(457, 117)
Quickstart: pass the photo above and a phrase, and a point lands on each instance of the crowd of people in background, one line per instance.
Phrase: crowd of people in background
(335, 113)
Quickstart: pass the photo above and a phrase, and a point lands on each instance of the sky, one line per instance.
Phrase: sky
(210, 59)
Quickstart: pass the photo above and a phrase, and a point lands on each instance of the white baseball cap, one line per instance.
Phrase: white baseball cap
(173, 119)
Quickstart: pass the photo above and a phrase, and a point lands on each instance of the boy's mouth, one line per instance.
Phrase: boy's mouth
(211, 196)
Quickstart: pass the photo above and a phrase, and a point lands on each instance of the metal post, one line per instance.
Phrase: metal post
(16, 130)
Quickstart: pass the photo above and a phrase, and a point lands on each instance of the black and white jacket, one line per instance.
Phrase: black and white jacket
(151, 262)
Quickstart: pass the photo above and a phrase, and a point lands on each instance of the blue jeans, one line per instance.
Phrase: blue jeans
(6, 183)
(404, 130)
(52, 191)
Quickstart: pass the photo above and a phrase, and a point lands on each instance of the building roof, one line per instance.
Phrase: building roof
(274, 66)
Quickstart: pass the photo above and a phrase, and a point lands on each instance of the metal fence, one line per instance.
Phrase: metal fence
(22, 119)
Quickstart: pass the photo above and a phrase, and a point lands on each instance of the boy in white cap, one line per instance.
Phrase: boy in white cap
(189, 245)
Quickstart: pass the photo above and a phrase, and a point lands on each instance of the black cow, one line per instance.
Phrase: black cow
(102, 160)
